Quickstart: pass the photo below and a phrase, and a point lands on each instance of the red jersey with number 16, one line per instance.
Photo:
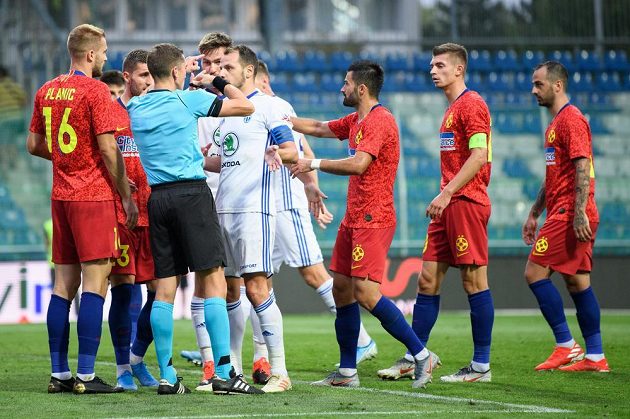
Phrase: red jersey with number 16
(70, 111)
(371, 195)
(467, 116)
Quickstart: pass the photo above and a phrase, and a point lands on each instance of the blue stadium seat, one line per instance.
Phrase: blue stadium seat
(397, 62)
(531, 59)
(331, 82)
(417, 82)
(597, 125)
(316, 60)
(565, 58)
(476, 82)
(280, 83)
(523, 82)
(588, 61)
(288, 60)
(394, 82)
(479, 61)
(516, 167)
(616, 60)
(268, 59)
(614, 212)
(340, 60)
(506, 61)
(581, 82)
(305, 82)
(608, 82)
(501, 82)
(421, 61)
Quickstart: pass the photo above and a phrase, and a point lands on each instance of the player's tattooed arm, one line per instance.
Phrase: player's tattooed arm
(539, 204)
(581, 224)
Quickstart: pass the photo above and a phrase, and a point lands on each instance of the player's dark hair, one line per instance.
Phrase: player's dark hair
(135, 57)
(555, 72)
(113, 77)
(162, 58)
(214, 40)
(459, 51)
(262, 68)
(368, 73)
(246, 56)
(84, 38)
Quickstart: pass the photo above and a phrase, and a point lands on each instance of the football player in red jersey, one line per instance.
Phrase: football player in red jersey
(457, 234)
(72, 126)
(367, 229)
(135, 264)
(565, 242)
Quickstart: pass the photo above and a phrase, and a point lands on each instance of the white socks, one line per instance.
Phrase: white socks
(66, 375)
(568, 344)
(271, 325)
(260, 347)
(198, 316)
(237, 330)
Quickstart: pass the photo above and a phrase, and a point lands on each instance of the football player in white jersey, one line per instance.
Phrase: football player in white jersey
(296, 244)
(246, 204)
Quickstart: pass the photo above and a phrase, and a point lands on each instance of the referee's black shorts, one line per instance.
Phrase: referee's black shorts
(184, 227)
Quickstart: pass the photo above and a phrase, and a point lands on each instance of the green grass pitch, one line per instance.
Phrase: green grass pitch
(519, 343)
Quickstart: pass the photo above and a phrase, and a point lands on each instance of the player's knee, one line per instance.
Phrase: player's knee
(233, 292)
(256, 292)
(427, 283)
(366, 297)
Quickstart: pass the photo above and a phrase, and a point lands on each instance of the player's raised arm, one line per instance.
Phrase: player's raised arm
(312, 127)
(354, 165)
(238, 105)
(116, 167)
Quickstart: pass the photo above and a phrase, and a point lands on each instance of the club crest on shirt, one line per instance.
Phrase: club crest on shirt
(550, 156)
(551, 137)
(230, 144)
(216, 136)
(357, 253)
(449, 121)
(358, 137)
(541, 246)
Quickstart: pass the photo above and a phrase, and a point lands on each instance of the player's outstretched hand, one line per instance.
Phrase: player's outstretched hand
(582, 227)
(529, 230)
(192, 63)
(302, 166)
(131, 210)
(202, 79)
(315, 199)
(437, 206)
(324, 218)
(272, 158)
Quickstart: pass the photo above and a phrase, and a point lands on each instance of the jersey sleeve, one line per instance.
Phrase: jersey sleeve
(102, 108)
(37, 119)
(341, 127)
(197, 101)
(475, 119)
(375, 134)
(578, 135)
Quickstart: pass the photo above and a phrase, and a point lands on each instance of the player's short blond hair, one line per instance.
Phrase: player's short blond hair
(456, 50)
(84, 38)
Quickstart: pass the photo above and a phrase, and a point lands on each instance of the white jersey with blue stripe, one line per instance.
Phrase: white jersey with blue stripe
(245, 181)
(289, 191)
(208, 130)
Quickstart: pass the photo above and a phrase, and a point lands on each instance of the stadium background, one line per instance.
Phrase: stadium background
(308, 44)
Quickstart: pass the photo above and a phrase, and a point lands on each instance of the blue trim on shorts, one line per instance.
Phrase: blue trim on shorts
(301, 237)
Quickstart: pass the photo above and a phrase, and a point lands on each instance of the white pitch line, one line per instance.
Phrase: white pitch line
(418, 395)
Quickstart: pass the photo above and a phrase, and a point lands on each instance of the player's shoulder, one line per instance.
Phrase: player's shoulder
(573, 112)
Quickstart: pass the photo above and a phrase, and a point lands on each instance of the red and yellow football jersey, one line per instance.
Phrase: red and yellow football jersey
(135, 171)
(568, 137)
(70, 111)
(371, 195)
(468, 115)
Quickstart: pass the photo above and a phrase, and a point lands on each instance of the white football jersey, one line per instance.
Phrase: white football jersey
(208, 132)
(289, 191)
(245, 181)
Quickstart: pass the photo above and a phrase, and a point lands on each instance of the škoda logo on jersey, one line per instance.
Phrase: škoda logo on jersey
(216, 137)
(230, 144)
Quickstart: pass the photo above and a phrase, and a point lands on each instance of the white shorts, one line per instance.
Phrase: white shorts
(296, 244)
(248, 239)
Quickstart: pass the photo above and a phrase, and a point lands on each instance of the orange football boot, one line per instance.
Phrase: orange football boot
(587, 365)
(561, 356)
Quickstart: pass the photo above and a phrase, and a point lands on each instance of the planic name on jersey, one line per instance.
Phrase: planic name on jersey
(230, 164)
(126, 144)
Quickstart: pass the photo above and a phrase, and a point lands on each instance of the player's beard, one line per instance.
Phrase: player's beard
(545, 100)
(97, 69)
(352, 99)
(135, 89)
